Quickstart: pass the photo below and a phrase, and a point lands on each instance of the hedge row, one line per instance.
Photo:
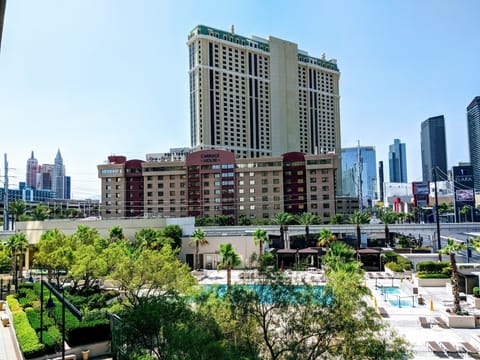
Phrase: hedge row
(423, 275)
(27, 337)
(434, 267)
(13, 303)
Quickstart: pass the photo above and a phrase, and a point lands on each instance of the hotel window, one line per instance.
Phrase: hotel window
(313, 180)
(252, 182)
(276, 181)
(324, 179)
(172, 193)
(241, 199)
(252, 190)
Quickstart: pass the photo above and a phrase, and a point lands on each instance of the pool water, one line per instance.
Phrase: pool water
(396, 297)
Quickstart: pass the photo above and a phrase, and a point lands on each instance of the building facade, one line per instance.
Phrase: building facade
(32, 170)
(206, 183)
(473, 128)
(397, 162)
(261, 97)
(434, 148)
(359, 174)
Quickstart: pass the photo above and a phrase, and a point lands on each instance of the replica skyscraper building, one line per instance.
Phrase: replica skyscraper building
(32, 170)
(261, 97)
(397, 162)
(473, 126)
(434, 148)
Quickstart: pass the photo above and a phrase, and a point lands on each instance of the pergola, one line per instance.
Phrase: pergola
(291, 257)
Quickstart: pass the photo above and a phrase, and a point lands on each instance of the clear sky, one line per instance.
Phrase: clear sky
(99, 77)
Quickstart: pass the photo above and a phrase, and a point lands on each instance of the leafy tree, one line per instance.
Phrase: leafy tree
(283, 219)
(465, 210)
(39, 212)
(325, 238)
(147, 238)
(223, 220)
(168, 328)
(260, 237)
(17, 208)
(451, 249)
(388, 216)
(150, 273)
(229, 260)
(17, 246)
(244, 220)
(358, 218)
(336, 219)
(198, 239)
(55, 253)
(306, 219)
(174, 232)
(116, 234)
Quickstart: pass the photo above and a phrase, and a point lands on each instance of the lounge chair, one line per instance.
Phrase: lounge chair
(424, 322)
(448, 347)
(435, 347)
(441, 322)
(383, 312)
(468, 348)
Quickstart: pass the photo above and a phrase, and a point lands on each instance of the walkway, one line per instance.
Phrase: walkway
(8, 350)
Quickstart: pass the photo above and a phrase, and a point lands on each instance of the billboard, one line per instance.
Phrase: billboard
(420, 192)
(464, 193)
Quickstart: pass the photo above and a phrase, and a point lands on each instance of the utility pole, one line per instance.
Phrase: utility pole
(437, 216)
(5, 198)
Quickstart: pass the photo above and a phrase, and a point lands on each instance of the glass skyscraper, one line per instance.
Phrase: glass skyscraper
(434, 148)
(397, 162)
(473, 125)
(359, 168)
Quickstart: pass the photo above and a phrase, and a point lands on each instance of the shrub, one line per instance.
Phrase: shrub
(432, 266)
(394, 266)
(424, 275)
(27, 337)
(476, 291)
(13, 303)
(52, 338)
(27, 297)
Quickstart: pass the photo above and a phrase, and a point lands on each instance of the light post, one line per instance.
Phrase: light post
(437, 215)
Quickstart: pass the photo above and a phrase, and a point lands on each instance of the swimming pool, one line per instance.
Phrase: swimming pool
(396, 297)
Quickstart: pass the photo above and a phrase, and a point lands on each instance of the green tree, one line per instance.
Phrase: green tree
(306, 219)
(338, 253)
(359, 218)
(260, 237)
(148, 238)
(451, 249)
(55, 253)
(39, 212)
(116, 233)
(17, 246)
(17, 208)
(152, 272)
(325, 238)
(229, 260)
(283, 219)
(244, 220)
(174, 232)
(169, 328)
(198, 239)
(387, 216)
(336, 219)
(465, 210)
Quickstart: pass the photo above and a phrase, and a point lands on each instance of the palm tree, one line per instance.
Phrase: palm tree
(451, 249)
(17, 245)
(199, 239)
(260, 238)
(464, 211)
(306, 219)
(17, 208)
(358, 218)
(388, 216)
(229, 260)
(325, 238)
(336, 219)
(338, 253)
(283, 219)
(39, 212)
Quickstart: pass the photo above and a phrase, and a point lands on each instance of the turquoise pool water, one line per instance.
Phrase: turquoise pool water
(396, 297)
(267, 294)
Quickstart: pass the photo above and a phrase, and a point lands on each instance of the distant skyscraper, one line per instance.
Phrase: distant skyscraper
(59, 181)
(261, 97)
(397, 162)
(355, 161)
(434, 148)
(32, 171)
(473, 124)
(381, 179)
(44, 177)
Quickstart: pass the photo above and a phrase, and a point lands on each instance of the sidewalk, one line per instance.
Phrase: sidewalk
(8, 349)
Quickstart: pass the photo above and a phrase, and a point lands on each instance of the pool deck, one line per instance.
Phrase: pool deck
(405, 319)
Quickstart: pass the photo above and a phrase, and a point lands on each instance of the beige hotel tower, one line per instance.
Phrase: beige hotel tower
(261, 97)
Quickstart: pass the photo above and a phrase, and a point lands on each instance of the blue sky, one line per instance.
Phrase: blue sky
(99, 77)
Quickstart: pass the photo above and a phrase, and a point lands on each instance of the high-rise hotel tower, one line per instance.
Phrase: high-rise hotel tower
(261, 97)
